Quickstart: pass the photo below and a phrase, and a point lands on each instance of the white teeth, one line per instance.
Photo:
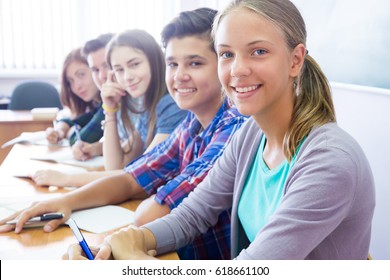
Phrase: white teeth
(246, 89)
(185, 90)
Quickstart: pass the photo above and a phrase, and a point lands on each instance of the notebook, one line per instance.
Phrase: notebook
(65, 156)
(35, 138)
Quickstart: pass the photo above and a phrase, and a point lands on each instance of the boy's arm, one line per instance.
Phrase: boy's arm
(179, 187)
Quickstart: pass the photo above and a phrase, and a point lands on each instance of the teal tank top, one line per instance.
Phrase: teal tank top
(262, 192)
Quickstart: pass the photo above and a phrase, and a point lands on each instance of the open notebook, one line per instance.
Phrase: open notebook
(65, 156)
(29, 172)
(35, 138)
(96, 220)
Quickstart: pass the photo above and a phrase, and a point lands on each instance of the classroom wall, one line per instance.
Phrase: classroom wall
(364, 112)
(349, 39)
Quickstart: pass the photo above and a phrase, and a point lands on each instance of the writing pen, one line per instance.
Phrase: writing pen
(42, 218)
(77, 131)
(80, 238)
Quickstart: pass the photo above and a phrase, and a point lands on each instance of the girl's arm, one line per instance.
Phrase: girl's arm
(56, 178)
(109, 190)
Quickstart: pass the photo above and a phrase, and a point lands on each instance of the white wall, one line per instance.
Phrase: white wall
(364, 112)
(349, 39)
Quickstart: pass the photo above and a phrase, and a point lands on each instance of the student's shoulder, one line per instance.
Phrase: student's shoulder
(165, 100)
(167, 103)
(331, 141)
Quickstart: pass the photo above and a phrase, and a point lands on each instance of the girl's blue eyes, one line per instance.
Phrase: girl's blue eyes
(226, 55)
(193, 64)
(259, 52)
(230, 54)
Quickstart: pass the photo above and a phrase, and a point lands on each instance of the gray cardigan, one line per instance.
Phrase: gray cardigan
(325, 213)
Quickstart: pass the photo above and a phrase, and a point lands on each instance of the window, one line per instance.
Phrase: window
(36, 35)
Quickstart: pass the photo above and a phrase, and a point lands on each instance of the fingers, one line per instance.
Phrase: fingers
(40, 176)
(128, 243)
(111, 91)
(52, 135)
(74, 253)
(6, 228)
(152, 253)
(77, 151)
(38, 209)
(25, 215)
(111, 76)
(93, 150)
(52, 225)
(104, 253)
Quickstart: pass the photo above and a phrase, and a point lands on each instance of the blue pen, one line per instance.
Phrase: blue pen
(77, 131)
(80, 238)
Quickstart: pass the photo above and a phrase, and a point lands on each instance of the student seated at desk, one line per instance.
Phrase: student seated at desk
(80, 94)
(137, 117)
(299, 186)
(93, 51)
(171, 170)
(136, 96)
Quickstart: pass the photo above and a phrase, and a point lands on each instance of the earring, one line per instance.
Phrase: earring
(295, 86)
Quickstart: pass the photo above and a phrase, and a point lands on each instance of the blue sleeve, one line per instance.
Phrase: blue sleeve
(68, 121)
(169, 115)
(90, 131)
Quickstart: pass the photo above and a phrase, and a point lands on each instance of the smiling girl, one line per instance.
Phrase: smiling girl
(80, 94)
(298, 185)
(137, 87)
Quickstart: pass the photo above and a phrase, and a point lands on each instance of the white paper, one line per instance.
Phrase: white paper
(65, 156)
(29, 172)
(35, 138)
(103, 219)
(5, 212)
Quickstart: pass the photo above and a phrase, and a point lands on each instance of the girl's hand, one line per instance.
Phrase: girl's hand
(76, 253)
(92, 150)
(111, 91)
(80, 151)
(126, 244)
(37, 209)
(53, 136)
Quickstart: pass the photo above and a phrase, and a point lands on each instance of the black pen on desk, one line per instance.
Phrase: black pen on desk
(42, 218)
(80, 238)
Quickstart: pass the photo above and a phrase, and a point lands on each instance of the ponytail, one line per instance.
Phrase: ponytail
(313, 105)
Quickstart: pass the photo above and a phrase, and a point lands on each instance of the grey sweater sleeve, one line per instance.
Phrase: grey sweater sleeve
(325, 213)
(200, 210)
(327, 206)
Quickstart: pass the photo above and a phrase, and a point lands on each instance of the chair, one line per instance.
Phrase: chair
(34, 94)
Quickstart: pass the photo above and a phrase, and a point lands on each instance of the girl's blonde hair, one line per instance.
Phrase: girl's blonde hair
(144, 42)
(313, 103)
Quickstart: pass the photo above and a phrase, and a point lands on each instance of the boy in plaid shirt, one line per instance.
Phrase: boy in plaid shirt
(170, 171)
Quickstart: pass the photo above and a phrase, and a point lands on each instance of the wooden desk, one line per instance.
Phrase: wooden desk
(13, 123)
(34, 243)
